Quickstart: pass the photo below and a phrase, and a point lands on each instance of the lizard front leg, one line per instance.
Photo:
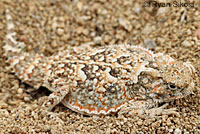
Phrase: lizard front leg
(55, 98)
(146, 109)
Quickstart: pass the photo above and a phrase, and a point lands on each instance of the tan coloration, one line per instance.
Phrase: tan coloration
(178, 74)
(103, 80)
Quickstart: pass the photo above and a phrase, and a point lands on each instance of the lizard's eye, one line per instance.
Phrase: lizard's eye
(172, 87)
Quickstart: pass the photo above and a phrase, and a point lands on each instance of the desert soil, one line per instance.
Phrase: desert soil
(47, 26)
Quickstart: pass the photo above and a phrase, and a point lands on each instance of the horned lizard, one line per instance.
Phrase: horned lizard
(98, 81)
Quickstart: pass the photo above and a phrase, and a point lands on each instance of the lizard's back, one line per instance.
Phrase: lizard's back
(101, 80)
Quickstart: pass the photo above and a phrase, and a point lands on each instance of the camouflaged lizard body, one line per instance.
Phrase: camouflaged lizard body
(103, 80)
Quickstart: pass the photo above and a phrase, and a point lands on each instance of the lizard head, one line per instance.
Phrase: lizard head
(173, 79)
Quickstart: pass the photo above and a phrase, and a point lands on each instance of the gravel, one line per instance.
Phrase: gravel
(46, 26)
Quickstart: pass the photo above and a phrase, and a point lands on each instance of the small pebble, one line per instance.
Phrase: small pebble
(97, 40)
(140, 122)
(186, 43)
(60, 31)
(125, 23)
(149, 44)
(198, 33)
(20, 91)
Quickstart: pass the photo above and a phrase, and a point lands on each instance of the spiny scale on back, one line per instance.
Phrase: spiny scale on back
(102, 80)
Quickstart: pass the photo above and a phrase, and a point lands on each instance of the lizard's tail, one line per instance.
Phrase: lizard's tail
(12, 47)
(27, 67)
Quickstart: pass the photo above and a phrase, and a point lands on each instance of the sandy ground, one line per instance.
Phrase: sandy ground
(49, 25)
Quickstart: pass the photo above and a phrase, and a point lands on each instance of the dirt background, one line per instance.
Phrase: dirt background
(47, 26)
